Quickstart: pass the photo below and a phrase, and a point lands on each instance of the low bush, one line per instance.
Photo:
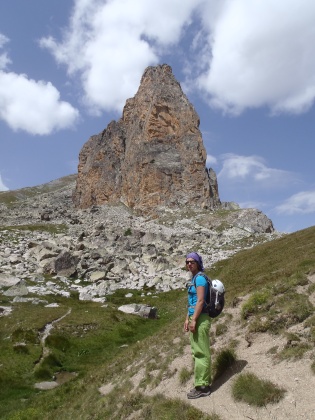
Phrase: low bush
(43, 374)
(221, 329)
(223, 361)
(184, 375)
(256, 302)
(254, 391)
(294, 351)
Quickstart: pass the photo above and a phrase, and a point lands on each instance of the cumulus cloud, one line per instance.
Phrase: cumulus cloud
(300, 203)
(211, 160)
(29, 105)
(33, 106)
(260, 54)
(110, 43)
(241, 55)
(2, 186)
(237, 169)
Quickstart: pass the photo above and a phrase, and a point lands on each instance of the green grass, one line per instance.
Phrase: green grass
(103, 345)
(294, 351)
(185, 375)
(128, 232)
(224, 360)
(265, 264)
(274, 313)
(256, 302)
(11, 197)
(85, 341)
(221, 329)
(47, 227)
(255, 391)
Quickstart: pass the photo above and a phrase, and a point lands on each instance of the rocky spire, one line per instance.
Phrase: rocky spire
(153, 156)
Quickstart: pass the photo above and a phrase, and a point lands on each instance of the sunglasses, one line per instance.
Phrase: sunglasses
(190, 262)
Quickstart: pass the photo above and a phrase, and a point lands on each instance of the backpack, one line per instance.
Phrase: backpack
(215, 296)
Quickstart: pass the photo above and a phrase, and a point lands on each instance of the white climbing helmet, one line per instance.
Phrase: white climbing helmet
(218, 285)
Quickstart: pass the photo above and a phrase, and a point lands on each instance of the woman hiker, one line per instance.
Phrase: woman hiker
(198, 323)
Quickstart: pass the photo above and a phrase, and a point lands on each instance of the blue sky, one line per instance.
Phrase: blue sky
(67, 68)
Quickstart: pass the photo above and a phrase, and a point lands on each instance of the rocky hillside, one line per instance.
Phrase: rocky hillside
(48, 247)
(97, 250)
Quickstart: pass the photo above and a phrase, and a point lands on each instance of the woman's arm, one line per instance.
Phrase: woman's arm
(198, 307)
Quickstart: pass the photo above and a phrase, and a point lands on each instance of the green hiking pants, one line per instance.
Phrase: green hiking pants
(200, 348)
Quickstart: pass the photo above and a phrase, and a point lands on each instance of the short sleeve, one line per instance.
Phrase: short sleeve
(201, 281)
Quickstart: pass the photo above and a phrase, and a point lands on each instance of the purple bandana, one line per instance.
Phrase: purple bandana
(197, 258)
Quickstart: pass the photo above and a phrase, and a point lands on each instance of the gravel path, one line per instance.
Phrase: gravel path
(295, 376)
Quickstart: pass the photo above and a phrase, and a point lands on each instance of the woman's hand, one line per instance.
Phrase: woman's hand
(186, 325)
(192, 326)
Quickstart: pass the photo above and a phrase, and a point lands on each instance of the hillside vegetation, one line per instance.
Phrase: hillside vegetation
(14, 196)
(94, 347)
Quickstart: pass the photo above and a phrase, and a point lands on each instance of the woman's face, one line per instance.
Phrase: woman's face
(192, 265)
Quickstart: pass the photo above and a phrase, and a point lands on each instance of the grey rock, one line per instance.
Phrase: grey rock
(144, 311)
(7, 280)
(19, 289)
(97, 275)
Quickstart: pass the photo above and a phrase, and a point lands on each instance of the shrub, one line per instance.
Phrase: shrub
(224, 360)
(51, 361)
(254, 303)
(184, 375)
(294, 351)
(21, 348)
(27, 336)
(296, 307)
(58, 342)
(254, 391)
(259, 324)
(221, 329)
(273, 350)
(311, 288)
(43, 374)
(310, 322)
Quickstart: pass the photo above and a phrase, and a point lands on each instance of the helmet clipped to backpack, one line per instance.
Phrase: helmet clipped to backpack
(215, 296)
(216, 304)
(218, 285)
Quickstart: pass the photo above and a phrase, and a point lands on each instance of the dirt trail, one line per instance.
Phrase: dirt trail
(295, 376)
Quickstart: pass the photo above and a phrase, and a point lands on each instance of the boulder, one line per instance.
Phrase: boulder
(144, 311)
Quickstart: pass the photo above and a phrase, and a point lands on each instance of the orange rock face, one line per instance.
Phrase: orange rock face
(152, 157)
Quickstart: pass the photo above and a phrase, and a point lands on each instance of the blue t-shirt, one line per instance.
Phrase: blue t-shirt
(199, 280)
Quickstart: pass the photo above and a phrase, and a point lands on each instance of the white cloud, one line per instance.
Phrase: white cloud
(300, 203)
(2, 186)
(111, 43)
(211, 160)
(253, 170)
(4, 59)
(261, 54)
(29, 105)
(33, 106)
(242, 54)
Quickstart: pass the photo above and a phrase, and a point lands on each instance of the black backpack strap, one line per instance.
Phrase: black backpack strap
(204, 309)
(200, 274)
